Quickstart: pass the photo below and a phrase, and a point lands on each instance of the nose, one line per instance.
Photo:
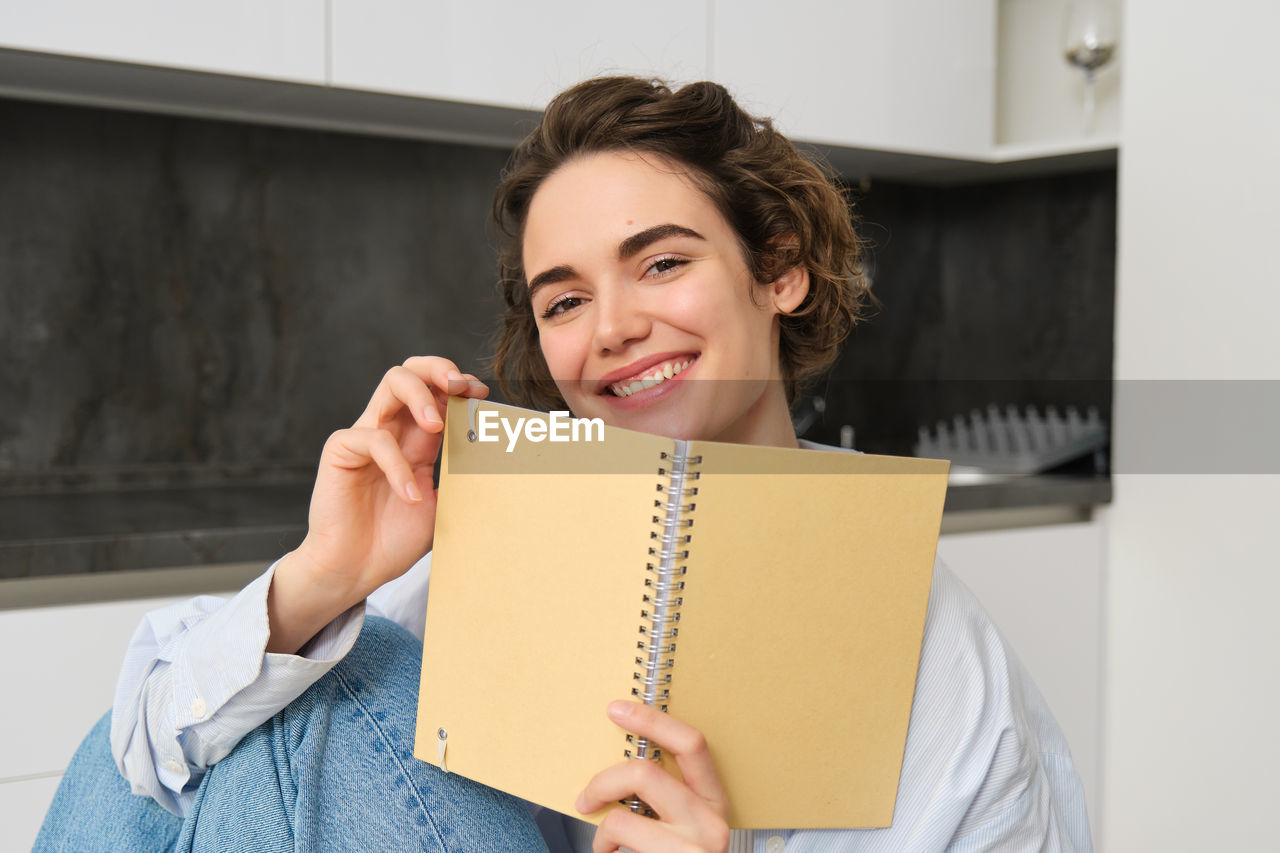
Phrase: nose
(620, 319)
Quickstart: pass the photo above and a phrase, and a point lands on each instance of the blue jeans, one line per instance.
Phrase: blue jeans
(333, 771)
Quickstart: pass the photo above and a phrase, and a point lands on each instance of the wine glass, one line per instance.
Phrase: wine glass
(1089, 42)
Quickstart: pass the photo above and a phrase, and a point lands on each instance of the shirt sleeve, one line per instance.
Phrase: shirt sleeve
(404, 600)
(197, 678)
(986, 764)
(1032, 797)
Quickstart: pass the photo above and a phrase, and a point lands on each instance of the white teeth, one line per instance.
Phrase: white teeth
(668, 370)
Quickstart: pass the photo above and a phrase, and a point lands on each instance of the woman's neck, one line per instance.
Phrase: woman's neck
(767, 423)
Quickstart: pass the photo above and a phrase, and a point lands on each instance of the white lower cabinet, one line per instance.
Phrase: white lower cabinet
(59, 675)
(23, 804)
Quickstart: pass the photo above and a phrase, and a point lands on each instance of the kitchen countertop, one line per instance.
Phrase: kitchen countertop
(61, 534)
(1045, 490)
(48, 535)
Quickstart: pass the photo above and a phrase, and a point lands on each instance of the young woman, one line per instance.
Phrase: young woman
(676, 267)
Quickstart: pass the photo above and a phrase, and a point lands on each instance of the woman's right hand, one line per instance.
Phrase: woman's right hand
(373, 508)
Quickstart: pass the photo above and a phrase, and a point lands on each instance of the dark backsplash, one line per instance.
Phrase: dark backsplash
(997, 293)
(184, 295)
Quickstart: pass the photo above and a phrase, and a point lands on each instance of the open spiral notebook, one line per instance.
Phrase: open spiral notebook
(773, 598)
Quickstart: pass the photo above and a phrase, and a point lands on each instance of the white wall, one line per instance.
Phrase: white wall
(1193, 685)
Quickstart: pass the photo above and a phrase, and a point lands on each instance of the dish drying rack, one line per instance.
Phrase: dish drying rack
(1012, 443)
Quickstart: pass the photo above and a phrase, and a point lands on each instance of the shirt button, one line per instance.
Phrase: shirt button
(173, 765)
(775, 844)
(199, 709)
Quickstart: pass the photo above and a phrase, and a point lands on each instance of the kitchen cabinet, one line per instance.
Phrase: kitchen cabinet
(1043, 588)
(65, 677)
(510, 54)
(23, 804)
(913, 77)
(928, 90)
(280, 40)
(1039, 97)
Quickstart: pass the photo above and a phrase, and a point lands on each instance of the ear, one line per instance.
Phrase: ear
(790, 289)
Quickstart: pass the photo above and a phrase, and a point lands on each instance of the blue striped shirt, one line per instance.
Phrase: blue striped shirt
(985, 766)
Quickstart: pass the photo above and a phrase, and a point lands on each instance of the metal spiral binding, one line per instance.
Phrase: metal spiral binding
(661, 600)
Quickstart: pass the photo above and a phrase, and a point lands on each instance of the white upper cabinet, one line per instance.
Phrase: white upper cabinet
(915, 76)
(277, 40)
(1040, 99)
(931, 89)
(511, 54)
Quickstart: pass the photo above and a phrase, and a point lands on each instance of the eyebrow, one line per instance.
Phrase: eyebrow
(628, 248)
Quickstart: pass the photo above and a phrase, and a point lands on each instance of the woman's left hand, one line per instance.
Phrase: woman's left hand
(692, 815)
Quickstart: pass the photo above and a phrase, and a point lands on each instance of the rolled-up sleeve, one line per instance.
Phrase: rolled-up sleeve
(197, 678)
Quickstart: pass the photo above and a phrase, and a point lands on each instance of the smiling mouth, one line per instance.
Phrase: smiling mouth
(659, 374)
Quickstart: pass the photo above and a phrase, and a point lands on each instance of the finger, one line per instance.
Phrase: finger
(678, 738)
(421, 379)
(478, 387)
(443, 374)
(399, 389)
(622, 828)
(357, 447)
(443, 379)
(402, 388)
(460, 385)
(673, 801)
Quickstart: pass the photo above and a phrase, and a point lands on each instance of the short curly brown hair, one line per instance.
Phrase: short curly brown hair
(783, 207)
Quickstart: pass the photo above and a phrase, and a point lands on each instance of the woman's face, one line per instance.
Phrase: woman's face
(644, 306)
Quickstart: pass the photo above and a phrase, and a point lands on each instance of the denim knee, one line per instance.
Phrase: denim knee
(95, 809)
(335, 770)
(387, 649)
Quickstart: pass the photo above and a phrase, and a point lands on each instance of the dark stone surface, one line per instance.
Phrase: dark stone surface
(185, 292)
(996, 293)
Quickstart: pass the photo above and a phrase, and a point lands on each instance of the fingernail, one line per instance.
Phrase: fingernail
(620, 710)
(430, 416)
(453, 374)
(581, 803)
(411, 489)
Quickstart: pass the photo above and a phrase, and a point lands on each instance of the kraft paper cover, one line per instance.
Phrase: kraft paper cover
(802, 621)
(799, 635)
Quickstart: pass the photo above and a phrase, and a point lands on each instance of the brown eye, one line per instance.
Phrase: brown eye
(560, 306)
(665, 265)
